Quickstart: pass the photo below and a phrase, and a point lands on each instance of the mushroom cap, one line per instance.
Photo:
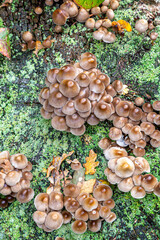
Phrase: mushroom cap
(10, 199)
(154, 143)
(45, 114)
(69, 88)
(141, 165)
(74, 121)
(69, 108)
(28, 168)
(111, 218)
(102, 110)
(147, 107)
(123, 109)
(97, 86)
(71, 190)
(27, 175)
(135, 114)
(104, 143)
(109, 203)
(60, 16)
(82, 105)
(81, 214)
(94, 214)
(112, 164)
(102, 192)
(124, 168)
(25, 195)
(153, 35)
(147, 127)
(89, 204)
(79, 227)
(88, 61)
(57, 100)
(126, 185)
(85, 114)
(51, 75)
(138, 152)
(56, 201)
(156, 135)
(119, 122)
(76, 165)
(38, 10)
(58, 112)
(12, 178)
(109, 37)
(114, 4)
(137, 179)
(141, 143)
(24, 183)
(104, 212)
(135, 133)
(41, 202)
(54, 87)
(112, 177)
(70, 7)
(78, 131)
(27, 36)
(156, 105)
(6, 190)
(44, 93)
(3, 203)
(149, 182)
(2, 182)
(138, 192)
(115, 101)
(115, 133)
(118, 86)
(104, 78)
(157, 119)
(151, 116)
(81, 197)
(141, 25)
(83, 15)
(47, 107)
(90, 23)
(59, 123)
(19, 161)
(157, 189)
(92, 120)
(127, 127)
(115, 152)
(82, 79)
(39, 217)
(4, 155)
(110, 90)
(66, 72)
(72, 205)
(94, 225)
(54, 220)
(66, 216)
(139, 101)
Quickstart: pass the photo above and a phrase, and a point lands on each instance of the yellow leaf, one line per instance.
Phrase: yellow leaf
(125, 25)
(103, 182)
(87, 186)
(91, 163)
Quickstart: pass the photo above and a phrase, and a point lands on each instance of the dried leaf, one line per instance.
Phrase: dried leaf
(91, 163)
(88, 4)
(122, 24)
(5, 43)
(103, 181)
(88, 186)
(6, 3)
(38, 47)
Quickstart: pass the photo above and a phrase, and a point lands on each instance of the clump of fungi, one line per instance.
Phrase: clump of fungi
(78, 93)
(126, 171)
(15, 177)
(68, 202)
(105, 12)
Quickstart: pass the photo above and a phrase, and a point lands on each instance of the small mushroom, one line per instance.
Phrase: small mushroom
(70, 7)
(41, 202)
(104, 212)
(19, 161)
(141, 25)
(56, 201)
(102, 192)
(81, 197)
(89, 204)
(102, 110)
(90, 23)
(124, 167)
(110, 14)
(94, 214)
(109, 203)
(157, 189)
(60, 16)
(147, 127)
(59, 123)
(25, 195)
(39, 217)
(115, 133)
(109, 37)
(81, 214)
(94, 225)
(115, 152)
(79, 227)
(3, 203)
(104, 143)
(138, 192)
(111, 218)
(123, 108)
(83, 15)
(156, 105)
(126, 185)
(54, 220)
(66, 216)
(147, 107)
(27, 36)
(74, 121)
(12, 178)
(139, 101)
(38, 10)
(149, 182)
(69, 88)
(71, 190)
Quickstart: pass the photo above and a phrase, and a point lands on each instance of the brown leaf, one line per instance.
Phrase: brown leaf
(91, 163)
(88, 186)
(38, 47)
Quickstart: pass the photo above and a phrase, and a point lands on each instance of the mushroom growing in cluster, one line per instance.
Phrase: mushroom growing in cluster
(78, 93)
(127, 172)
(15, 177)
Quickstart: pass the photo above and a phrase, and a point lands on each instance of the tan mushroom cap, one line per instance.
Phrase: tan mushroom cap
(157, 189)
(44, 93)
(112, 164)
(54, 220)
(24, 183)
(59, 123)
(82, 79)
(115, 152)
(66, 216)
(97, 86)
(82, 105)
(39, 217)
(25, 195)
(147, 127)
(141, 143)
(135, 114)
(94, 225)
(149, 182)
(41, 202)
(70, 7)
(107, 98)
(112, 177)
(6, 190)
(115, 133)
(126, 185)
(90, 23)
(2, 182)
(4, 155)
(124, 168)
(81, 197)
(71, 190)
(137, 180)
(79, 227)
(67, 199)
(147, 107)
(89, 204)
(51, 75)
(27, 175)
(28, 168)
(60, 16)
(138, 192)
(45, 114)
(157, 119)
(102, 110)
(94, 214)
(19, 161)
(156, 105)
(47, 107)
(123, 108)
(92, 120)
(102, 192)
(118, 86)
(104, 212)
(114, 4)
(151, 116)
(105, 79)
(109, 37)
(12, 178)
(54, 87)
(141, 165)
(69, 108)
(78, 131)
(139, 101)
(88, 63)
(81, 214)
(104, 143)
(111, 91)
(141, 25)
(127, 127)
(58, 112)
(72, 205)
(111, 218)
(76, 165)
(156, 135)
(57, 100)
(66, 72)
(85, 114)
(135, 133)
(74, 121)
(154, 143)
(138, 151)
(109, 203)
(56, 201)
(69, 88)
(119, 122)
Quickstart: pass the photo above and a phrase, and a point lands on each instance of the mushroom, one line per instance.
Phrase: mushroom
(2, 182)
(139, 101)
(81, 197)
(104, 212)
(78, 131)
(135, 114)
(137, 180)
(106, 22)
(104, 143)
(94, 225)
(45, 114)
(81, 214)
(59, 123)
(27, 175)
(138, 192)
(123, 108)
(147, 107)
(90, 23)
(115, 152)
(126, 185)
(12, 178)
(82, 105)
(147, 127)
(94, 214)
(3, 203)
(115, 133)
(39, 217)
(92, 120)
(149, 182)
(69, 88)
(25, 195)
(60, 16)
(27, 36)
(102, 192)
(70, 7)
(56, 201)
(89, 204)
(156, 135)
(74, 121)
(124, 167)
(71, 190)
(138, 151)
(17, 187)
(10, 199)
(88, 62)
(38, 10)
(157, 189)
(41, 202)
(54, 220)
(102, 110)
(135, 133)
(112, 177)
(114, 4)
(141, 25)
(79, 227)
(111, 218)
(68, 72)
(153, 36)
(6, 190)
(109, 203)
(19, 161)
(66, 216)
(82, 79)
(141, 165)
(109, 37)
(83, 15)
(72, 205)
(28, 168)
(76, 165)
(110, 14)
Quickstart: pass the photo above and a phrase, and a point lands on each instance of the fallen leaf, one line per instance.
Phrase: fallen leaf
(38, 47)
(90, 163)
(125, 90)
(103, 181)
(88, 4)
(122, 24)
(6, 3)
(88, 186)
(5, 43)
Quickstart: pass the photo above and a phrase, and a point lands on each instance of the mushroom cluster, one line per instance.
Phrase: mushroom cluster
(69, 9)
(15, 177)
(78, 93)
(55, 209)
(126, 171)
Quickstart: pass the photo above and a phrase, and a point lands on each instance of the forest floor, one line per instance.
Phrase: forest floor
(132, 59)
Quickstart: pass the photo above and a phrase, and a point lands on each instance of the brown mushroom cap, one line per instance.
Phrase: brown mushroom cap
(119, 122)
(94, 225)
(141, 25)
(2, 182)
(111, 91)
(109, 37)
(154, 143)
(104, 212)
(81, 197)
(54, 220)
(44, 93)
(57, 100)
(157, 189)
(82, 105)
(41, 202)
(78, 131)
(28, 168)
(89, 204)
(88, 62)
(104, 79)
(79, 227)
(141, 165)
(70, 7)
(24, 183)
(25, 195)
(19, 161)
(102, 110)
(90, 23)
(137, 179)
(156, 105)
(118, 86)
(74, 121)
(138, 152)
(124, 168)
(153, 35)
(82, 79)
(4, 155)
(147, 127)
(112, 164)
(115, 152)
(51, 75)
(69, 108)
(112, 177)
(138, 192)
(135, 133)
(27, 175)
(69, 88)
(102, 192)
(109, 203)
(123, 108)
(66, 72)
(115, 133)
(76, 165)
(111, 218)
(66, 216)
(156, 135)
(45, 114)
(97, 86)
(157, 119)
(92, 120)
(104, 143)
(147, 107)
(47, 107)
(39, 217)
(59, 123)
(141, 143)
(149, 182)
(12, 178)
(81, 214)
(83, 15)
(139, 101)
(127, 127)
(126, 185)
(72, 206)
(56, 201)
(3, 203)
(27, 36)
(94, 214)
(135, 114)
(60, 16)
(71, 190)
(151, 116)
